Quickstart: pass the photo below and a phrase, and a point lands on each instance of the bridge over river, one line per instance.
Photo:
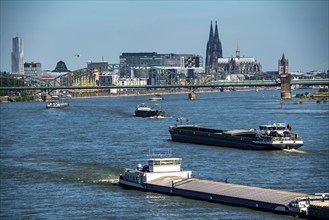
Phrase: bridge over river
(246, 83)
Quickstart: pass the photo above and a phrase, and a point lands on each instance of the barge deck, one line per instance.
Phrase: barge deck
(226, 193)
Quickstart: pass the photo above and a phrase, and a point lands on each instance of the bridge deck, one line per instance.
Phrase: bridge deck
(252, 83)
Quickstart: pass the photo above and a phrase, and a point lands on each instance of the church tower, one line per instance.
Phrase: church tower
(285, 78)
(283, 65)
(214, 50)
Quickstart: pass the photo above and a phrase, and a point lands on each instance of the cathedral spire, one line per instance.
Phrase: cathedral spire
(237, 50)
(216, 32)
(211, 34)
(214, 50)
(218, 44)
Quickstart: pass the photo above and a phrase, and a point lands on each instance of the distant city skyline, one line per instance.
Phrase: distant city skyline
(55, 31)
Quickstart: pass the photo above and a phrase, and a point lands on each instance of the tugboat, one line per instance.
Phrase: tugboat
(277, 136)
(143, 110)
(160, 164)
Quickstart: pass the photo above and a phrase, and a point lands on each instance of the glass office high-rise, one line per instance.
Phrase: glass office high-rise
(17, 56)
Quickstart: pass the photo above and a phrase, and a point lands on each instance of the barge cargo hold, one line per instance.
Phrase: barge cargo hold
(164, 175)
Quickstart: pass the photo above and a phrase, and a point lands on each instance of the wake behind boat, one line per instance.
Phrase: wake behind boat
(143, 110)
(269, 137)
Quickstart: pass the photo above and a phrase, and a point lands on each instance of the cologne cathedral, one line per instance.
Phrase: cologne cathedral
(216, 64)
(214, 51)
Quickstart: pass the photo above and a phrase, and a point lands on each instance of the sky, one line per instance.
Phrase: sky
(55, 31)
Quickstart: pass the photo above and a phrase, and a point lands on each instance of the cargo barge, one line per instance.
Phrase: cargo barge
(276, 136)
(163, 174)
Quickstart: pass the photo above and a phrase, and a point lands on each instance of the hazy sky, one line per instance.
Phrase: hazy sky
(96, 30)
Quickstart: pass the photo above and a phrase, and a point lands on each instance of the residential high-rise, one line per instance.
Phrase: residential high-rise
(17, 56)
(214, 50)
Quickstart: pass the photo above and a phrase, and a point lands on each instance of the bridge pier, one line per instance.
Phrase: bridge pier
(192, 95)
(285, 86)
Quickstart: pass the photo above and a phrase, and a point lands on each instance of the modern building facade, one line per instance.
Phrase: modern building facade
(141, 59)
(32, 69)
(142, 63)
(214, 51)
(17, 56)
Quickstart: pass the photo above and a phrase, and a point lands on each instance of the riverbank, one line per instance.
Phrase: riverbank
(106, 94)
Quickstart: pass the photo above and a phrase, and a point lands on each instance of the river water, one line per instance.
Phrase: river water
(65, 163)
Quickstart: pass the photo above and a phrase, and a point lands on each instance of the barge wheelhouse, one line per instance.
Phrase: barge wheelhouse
(158, 165)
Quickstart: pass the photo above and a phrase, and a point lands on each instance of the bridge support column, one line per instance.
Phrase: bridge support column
(285, 86)
(192, 95)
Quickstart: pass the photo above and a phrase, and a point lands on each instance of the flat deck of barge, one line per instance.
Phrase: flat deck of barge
(227, 193)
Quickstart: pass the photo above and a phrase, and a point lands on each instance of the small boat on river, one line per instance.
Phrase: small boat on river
(57, 102)
(277, 136)
(54, 104)
(156, 97)
(143, 110)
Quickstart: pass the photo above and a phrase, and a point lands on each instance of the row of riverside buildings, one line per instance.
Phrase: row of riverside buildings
(186, 63)
(152, 68)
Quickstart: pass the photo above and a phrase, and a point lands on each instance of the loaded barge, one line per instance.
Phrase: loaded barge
(269, 137)
(163, 174)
